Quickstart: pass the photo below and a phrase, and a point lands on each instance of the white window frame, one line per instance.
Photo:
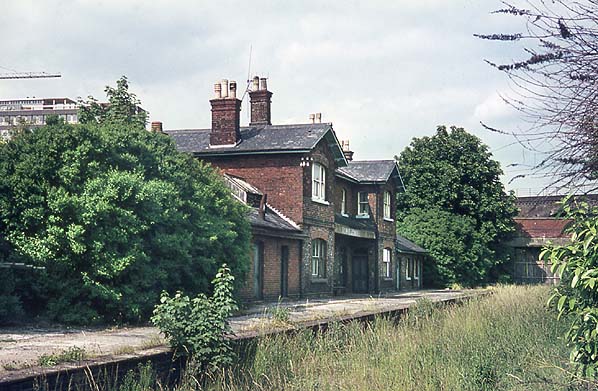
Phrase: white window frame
(318, 182)
(387, 261)
(387, 206)
(318, 258)
(409, 268)
(344, 202)
(416, 269)
(366, 203)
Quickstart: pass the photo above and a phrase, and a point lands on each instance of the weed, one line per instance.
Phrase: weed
(72, 354)
(280, 314)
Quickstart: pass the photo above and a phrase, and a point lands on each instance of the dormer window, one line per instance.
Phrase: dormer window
(318, 183)
(363, 206)
(387, 208)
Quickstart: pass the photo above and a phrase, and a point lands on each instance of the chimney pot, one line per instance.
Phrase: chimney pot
(319, 117)
(346, 151)
(224, 88)
(256, 83)
(218, 91)
(156, 127)
(263, 84)
(233, 89)
(312, 118)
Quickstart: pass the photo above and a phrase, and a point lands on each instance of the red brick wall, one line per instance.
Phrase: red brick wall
(272, 268)
(279, 176)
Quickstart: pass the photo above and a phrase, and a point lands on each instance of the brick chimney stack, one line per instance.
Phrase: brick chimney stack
(260, 102)
(346, 151)
(157, 127)
(226, 115)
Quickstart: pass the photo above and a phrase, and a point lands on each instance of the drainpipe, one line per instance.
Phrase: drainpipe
(301, 269)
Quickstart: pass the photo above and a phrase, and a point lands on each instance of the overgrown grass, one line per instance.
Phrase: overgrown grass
(506, 341)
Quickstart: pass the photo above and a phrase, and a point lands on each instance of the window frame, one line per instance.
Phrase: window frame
(344, 202)
(318, 259)
(387, 205)
(387, 262)
(416, 269)
(318, 184)
(360, 202)
(409, 268)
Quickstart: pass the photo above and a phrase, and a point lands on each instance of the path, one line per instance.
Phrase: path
(22, 348)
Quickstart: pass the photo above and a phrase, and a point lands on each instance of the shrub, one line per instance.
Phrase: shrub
(116, 215)
(576, 264)
(197, 327)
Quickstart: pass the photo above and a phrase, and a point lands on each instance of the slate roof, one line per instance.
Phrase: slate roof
(353, 222)
(404, 245)
(272, 220)
(260, 139)
(368, 171)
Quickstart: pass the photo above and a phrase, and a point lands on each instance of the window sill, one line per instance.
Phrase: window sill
(344, 214)
(389, 220)
(319, 280)
(408, 278)
(387, 278)
(323, 202)
(362, 216)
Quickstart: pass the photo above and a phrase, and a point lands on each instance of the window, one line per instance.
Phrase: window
(416, 270)
(409, 269)
(386, 260)
(343, 201)
(318, 258)
(318, 182)
(387, 205)
(363, 204)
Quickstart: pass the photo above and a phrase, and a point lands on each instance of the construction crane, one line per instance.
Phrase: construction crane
(28, 75)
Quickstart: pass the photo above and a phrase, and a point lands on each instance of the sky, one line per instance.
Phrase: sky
(383, 72)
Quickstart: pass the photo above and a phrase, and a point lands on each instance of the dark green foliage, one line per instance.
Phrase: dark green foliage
(197, 327)
(455, 205)
(10, 304)
(116, 215)
(577, 295)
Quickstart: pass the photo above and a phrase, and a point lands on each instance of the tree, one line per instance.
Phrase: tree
(123, 107)
(116, 215)
(455, 205)
(555, 87)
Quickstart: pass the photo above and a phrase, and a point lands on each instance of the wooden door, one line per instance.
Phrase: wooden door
(360, 273)
(284, 271)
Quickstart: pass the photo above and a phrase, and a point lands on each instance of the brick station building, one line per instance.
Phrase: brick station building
(322, 223)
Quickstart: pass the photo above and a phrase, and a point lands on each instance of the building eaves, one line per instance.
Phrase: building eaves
(406, 246)
(368, 171)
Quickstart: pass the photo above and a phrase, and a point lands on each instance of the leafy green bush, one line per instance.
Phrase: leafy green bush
(455, 206)
(116, 215)
(197, 327)
(576, 264)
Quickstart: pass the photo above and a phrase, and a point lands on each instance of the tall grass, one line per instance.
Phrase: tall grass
(508, 341)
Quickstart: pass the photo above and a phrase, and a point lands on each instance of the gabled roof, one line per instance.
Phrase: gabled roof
(404, 245)
(261, 139)
(369, 171)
